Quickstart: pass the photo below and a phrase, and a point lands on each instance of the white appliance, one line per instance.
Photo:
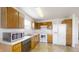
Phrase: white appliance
(43, 34)
(59, 34)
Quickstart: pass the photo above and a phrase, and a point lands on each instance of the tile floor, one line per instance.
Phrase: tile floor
(44, 47)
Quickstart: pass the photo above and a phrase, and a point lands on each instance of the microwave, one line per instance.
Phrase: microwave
(11, 37)
(7, 37)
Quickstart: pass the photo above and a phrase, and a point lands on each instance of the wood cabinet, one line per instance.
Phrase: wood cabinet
(36, 26)
(49, 40)
(34, 41)
(23, 46)
(48, 24)
(16, 48)
(4, 17)
(21, 21)
(68, 22)
(10, 18)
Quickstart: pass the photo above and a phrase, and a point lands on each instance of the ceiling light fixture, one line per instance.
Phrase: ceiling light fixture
(39, 11)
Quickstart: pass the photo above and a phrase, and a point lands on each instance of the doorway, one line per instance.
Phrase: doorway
(68, 22)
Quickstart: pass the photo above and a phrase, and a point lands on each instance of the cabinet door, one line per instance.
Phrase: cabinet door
(32, 42)
(49, 38)
(37, 39)
(16, 48)
(4, 17)
(21, 21)
(12, 18)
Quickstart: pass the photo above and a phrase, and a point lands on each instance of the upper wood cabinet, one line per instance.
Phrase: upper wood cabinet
(10, 18)
(21, 21)
(4, 17)
(48, 24)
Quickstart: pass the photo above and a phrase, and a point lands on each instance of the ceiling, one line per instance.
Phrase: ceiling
(51, 12)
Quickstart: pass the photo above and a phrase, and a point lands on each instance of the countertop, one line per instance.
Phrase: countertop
(18, 41)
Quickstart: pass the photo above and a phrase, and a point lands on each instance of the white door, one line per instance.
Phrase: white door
(59, 34)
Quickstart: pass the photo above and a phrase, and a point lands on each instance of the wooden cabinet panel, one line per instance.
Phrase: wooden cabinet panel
(11, 18)
(11, 11)
(4, 17)
(12, 21)
(21, 21)
(34, 41)
(36, 25)
(49, 38)
(48, 24)
(16, 48)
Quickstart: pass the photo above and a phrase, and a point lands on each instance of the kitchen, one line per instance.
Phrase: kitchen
(21, 32)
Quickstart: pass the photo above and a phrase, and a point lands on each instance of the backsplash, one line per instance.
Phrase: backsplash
(48, 31)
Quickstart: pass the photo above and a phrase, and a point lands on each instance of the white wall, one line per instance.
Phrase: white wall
(27, 26)
(74, 30)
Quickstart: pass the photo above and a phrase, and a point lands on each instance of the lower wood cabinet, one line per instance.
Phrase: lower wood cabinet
(34, 41)
(49, 39)
(16, 48)
(26, 45)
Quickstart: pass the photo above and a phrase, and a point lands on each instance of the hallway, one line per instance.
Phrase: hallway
(43, 47)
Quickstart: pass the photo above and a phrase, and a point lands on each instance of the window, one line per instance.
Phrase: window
(27, 24)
